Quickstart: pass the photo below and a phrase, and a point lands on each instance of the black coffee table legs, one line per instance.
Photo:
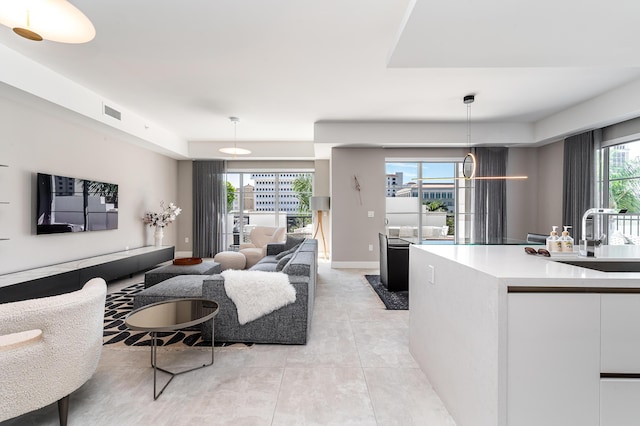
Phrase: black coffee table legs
(154, 364)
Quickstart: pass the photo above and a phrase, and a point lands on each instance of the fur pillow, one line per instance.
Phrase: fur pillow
(283, 262)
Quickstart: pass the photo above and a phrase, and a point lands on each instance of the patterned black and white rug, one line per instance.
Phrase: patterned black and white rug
(119, 304)
(393, 300)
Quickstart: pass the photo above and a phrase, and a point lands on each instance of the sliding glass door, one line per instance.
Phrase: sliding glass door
(426, 203)
(619, 179)
(402, 200)
(279, 199)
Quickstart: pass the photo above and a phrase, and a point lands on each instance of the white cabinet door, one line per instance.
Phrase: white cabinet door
(619, 402)
(621, 333)
(553, 365)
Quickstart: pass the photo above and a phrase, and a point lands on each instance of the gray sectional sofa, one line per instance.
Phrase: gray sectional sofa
(290, 324)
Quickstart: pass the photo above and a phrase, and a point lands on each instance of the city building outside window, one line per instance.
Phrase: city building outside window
(267, 199)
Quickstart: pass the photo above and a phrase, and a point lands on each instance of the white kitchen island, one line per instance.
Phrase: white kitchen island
(507, 338)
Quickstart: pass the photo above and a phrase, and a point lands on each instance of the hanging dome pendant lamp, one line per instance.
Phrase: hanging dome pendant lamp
(54, 20)
(235, 150)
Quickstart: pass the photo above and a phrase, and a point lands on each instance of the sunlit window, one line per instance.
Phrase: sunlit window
(267, 199)
(622, 176)
(620, 183)
(425, 202)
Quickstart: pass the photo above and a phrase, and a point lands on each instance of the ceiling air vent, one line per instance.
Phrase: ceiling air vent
(112, 112)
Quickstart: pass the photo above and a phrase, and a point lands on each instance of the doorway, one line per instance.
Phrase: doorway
(425, 203)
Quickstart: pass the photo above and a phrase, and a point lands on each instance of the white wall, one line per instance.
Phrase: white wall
(407, 134)
(322, 187)
(621, 132)
(28, 76)
(550, 171)
(352, 229)
(522, 195)
(536, 204)
(39, 137)
(185, 201)
(611, 107)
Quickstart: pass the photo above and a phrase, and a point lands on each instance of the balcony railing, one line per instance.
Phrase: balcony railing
(623, 228)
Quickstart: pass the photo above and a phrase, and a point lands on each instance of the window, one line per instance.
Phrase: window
(621, 176)
(267, 199)
(421, 201)
(620, 189)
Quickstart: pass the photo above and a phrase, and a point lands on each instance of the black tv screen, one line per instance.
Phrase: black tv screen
(67, 204)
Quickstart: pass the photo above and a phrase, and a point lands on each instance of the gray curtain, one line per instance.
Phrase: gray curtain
(209, 207)
(578, 181)
(490, 220)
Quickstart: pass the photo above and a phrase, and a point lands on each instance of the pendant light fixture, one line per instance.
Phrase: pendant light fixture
(469, 163)
(54, 20)
(235, 150)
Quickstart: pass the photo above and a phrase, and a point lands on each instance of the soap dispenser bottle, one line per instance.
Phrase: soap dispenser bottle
(566, 241)
(553, 242)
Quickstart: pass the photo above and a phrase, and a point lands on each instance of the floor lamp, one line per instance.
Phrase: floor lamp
(320, 205)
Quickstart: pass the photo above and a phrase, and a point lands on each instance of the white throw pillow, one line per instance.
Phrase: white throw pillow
(406, 231)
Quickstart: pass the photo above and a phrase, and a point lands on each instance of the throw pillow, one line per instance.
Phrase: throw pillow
(292, 241)
(286, 252)
(283, 262)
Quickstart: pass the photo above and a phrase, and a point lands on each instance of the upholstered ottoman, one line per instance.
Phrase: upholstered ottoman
(157, 275)
(178, 287)
(231, 260)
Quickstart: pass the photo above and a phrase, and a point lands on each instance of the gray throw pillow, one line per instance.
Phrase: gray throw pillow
(283, 262)
(292, 241)
(286, 252)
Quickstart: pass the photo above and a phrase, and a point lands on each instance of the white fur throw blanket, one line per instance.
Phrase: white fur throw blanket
(257, 293)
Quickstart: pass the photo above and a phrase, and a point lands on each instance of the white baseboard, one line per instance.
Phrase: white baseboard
(355, 265)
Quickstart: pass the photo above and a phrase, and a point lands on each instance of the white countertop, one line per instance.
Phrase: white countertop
(514, 267)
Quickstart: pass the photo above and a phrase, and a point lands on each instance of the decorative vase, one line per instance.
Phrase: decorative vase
(158, 235)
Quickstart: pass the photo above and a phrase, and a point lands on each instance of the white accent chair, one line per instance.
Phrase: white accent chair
(49, 347)
(260, 236)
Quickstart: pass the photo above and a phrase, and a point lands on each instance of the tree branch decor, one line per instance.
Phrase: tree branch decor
(358, 188)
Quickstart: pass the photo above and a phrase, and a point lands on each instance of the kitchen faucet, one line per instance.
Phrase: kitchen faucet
(587, 247)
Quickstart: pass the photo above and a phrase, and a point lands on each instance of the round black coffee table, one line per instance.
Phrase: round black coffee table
(171, 315)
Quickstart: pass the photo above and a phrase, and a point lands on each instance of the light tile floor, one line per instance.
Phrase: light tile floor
(356, 369)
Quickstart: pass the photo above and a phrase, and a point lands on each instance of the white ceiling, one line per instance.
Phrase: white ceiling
(282, 65)
(520, 33)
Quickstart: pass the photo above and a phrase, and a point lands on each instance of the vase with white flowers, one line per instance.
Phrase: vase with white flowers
(161, 219)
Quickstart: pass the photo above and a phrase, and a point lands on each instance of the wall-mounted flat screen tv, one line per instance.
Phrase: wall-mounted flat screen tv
(67, 204)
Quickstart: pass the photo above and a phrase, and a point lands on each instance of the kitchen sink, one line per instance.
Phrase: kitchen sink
(606, 266)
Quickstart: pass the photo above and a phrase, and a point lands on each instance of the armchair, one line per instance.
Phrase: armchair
(534, 238)
(49, 347)
(260, 236)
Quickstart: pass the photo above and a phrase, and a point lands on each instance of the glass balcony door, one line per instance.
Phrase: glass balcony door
(278, 199)
(425, 202)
